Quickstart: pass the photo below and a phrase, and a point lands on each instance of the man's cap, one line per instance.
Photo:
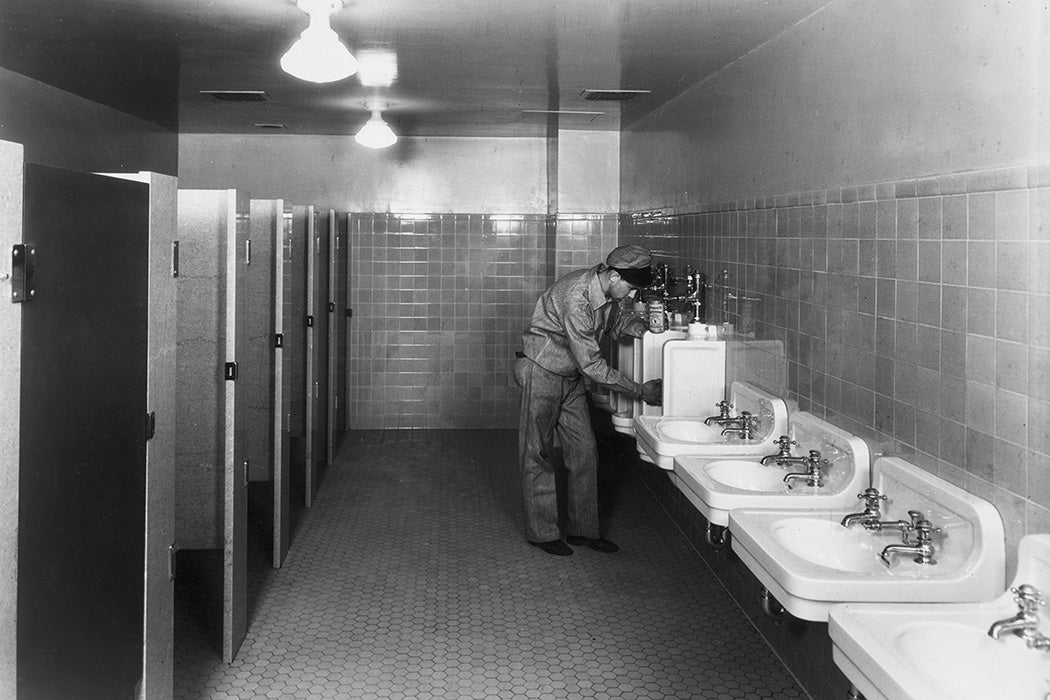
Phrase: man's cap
(634, 263)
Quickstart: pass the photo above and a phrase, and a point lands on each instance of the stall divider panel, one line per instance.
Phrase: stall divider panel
(211, 476)
(311, 386)
(11, 197)
(82, 448)
(281, 395)
(333, 334)
(235, 525)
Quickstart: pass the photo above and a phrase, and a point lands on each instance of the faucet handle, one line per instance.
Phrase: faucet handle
(1028, 597)
(785, 443)
(871, 496)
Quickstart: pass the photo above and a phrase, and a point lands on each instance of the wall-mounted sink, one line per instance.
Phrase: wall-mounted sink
(662, 438)
(716, 485)
(915, 652)
(809, 561)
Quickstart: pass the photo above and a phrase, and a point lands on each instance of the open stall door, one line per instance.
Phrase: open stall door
(352, 229)
(282, 460)
(211, 454)
(336, 282)
(83, 431)
(316, 351)
(158, 618)
(296, 357)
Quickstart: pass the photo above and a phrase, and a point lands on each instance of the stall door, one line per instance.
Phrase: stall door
(316, 351)
(82, 476)
(282, 516)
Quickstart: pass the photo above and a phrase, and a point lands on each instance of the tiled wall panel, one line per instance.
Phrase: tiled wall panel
(912, 313)
(439, 304)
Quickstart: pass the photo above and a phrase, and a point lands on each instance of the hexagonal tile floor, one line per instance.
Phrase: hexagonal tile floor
(410, 578)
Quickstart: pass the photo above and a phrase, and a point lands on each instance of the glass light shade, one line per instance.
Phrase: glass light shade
(318, 56)
(376, 133)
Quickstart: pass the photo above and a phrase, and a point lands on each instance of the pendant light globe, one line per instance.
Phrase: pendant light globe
(376, 133)
(318, 56)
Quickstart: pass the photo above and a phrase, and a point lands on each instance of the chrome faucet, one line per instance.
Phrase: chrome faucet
(723, 414)
(872, 512)
(813, 476)
(783, 455)
(1025, 623)
(922, 547)
(742, 425)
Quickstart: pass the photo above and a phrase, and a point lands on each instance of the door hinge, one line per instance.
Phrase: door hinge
(23, 270)
(309, 321)
(230, 372)
(331, 307)
(349, 312)
(151, 425)
(174, 258)
(248, 252)
(247, 466)
(278, 340)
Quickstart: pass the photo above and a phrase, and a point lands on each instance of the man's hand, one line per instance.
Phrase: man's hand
(653, 392)
(635, 327)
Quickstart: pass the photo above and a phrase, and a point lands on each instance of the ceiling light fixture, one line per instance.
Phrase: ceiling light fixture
(376, 133)
(318, 56)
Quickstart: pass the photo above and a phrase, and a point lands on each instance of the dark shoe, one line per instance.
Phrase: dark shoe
(598, 545)
(555, 547)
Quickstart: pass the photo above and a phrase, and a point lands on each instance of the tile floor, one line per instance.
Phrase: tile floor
(410, 578)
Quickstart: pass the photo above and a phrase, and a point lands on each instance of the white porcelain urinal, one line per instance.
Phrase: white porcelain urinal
(662, 438)
(623, 405)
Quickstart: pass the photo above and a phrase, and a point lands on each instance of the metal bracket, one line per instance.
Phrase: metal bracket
(173, 549)
(230, 372)
(309, 321)
(278, 340)
(174, 258)
(23, 270)
(151, 425)
(331, 307)
(248, 251)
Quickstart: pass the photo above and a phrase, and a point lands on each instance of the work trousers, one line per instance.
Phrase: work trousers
(552, 404)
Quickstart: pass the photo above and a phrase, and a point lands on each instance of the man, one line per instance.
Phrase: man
(560, 349)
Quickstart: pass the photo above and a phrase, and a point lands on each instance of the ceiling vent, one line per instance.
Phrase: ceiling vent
(237, 95)
(612, 95)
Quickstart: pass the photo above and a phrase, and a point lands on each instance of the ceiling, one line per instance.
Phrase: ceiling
(464, 67)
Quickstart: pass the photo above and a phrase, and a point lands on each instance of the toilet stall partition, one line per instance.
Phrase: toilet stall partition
(335, 334)
(316, 428)
(211, 446)
(75, 365)
(268, 494)
(158, 617)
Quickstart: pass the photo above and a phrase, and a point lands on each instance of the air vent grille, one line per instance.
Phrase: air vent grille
(237, 95)
(612, 95)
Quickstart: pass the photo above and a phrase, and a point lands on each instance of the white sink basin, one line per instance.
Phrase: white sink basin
(716, 485)
(745, 475)
(662, 438)
(913, 652)
(829, 544)
(809, 561)
(689, 430)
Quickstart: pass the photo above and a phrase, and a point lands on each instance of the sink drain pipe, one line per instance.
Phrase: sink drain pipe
(717, 536)
(771, 608)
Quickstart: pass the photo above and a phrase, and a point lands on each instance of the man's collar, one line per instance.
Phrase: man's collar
(595, 294)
